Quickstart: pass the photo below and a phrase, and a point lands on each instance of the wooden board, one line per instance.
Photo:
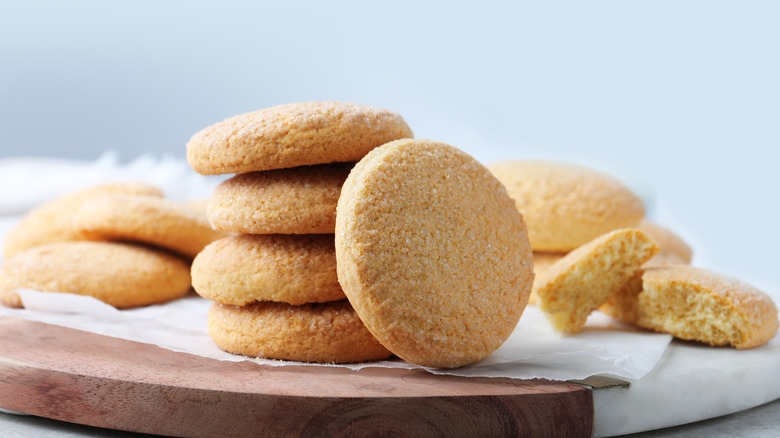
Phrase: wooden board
(94, 380)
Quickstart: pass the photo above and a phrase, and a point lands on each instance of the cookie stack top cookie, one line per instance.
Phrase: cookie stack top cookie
(292, 135)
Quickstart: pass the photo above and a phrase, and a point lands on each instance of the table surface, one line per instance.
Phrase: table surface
(761, 421)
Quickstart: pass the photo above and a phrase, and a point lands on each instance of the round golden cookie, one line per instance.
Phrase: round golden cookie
(565, 205)
(321, 333)
(154, 221)
(292, 135)
(118, 274)
(299, 200)
(699, 305)
(53, 221)
(293, 269)
(432, 253)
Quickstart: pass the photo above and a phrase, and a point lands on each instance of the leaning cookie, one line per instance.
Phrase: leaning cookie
(576, 285)
(699, 305)
(300, 200)
(154, 221)
(121, 275)
(320, 333)
(292, 135)
(565, 205)
(53, 221)
(432, 253)
(293, 269)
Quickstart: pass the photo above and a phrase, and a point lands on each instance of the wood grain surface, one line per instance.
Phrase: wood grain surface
(95, 380)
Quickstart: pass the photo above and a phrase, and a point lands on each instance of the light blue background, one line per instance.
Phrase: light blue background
(679, 99)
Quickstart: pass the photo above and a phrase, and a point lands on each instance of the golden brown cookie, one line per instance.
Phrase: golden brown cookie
(432, 253)
(154, 221)
(53, 221)
(293, 269)
(300, 200)
(699, 305)
(121, 275)
(668, 242)
(576, 285)
(292, 135)
(322, 333)
(565, 205)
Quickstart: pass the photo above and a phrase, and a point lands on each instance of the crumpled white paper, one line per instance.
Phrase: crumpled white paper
(534, 350)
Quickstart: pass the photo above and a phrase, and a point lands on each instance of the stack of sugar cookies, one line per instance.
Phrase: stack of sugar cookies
(123, 243)
(594, 249)
(274, 280)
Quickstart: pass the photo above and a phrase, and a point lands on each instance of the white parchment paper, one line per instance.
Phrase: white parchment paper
(534, 350)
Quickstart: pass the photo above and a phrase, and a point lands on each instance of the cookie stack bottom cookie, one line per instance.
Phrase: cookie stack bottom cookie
(278, 269)
(318, 332)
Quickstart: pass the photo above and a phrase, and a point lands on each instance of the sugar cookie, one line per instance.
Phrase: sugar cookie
(294, 269)
(53, 221)
(121, 275)
(292, 135)
(154, 221)
(322, 333)
(432, 253)
(300, 200)
(576, 285)
(699, 305)
(566, 205)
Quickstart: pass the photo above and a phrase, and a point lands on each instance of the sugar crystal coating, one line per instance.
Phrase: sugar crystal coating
(432, 253)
